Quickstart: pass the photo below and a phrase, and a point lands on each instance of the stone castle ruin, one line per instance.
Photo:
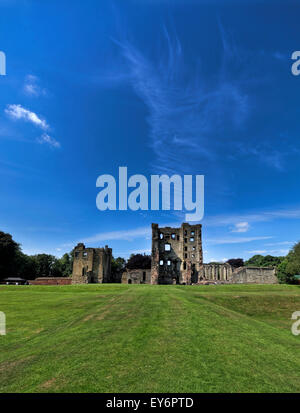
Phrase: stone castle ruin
(177, 258)
(91, 265)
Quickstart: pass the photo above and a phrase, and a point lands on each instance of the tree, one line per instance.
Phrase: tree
(290, 266)
(263, 261)
(282, 274)
(56, 268)
(45, 263)
(236, 262)
(142, 261)
(26, 266)
(117, 267)
(13, 262)
(9, 250)
(117, 264)
(66, 265)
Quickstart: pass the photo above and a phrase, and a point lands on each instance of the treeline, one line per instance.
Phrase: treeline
(14, 263)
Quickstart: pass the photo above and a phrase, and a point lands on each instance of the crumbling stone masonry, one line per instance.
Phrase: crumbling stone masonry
(177, 256)
(216, 272)
(91, 265)
(254, 275)
(177, 259)
(136, 276)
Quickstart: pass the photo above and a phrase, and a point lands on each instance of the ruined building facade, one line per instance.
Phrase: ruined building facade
(216, 272)
(91, 265)
(177, 256)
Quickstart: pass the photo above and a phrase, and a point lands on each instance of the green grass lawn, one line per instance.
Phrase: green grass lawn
(144, 338)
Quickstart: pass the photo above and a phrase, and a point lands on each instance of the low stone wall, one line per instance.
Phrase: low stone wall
(51, 281)
(254, 275)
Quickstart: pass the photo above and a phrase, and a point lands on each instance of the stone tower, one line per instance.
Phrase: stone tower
(177, 256)
(91, 265)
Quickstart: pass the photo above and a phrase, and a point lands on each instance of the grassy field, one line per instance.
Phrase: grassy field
(143, 338)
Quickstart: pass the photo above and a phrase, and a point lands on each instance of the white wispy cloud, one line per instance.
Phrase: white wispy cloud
(192, 112)
(122, 235)
(127, 235)
(269, 252)
(32, 86)
(237, 240)
(273, 244)
(241, 227)
(252, 217)
(46, 139)
(267, 152)
(18, 112)
(257, 252)
(186, 117)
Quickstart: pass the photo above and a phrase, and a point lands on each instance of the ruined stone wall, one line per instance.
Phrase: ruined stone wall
(91, 265)
(176, 254)
(216, 272)
(254, 275)
(136, 276)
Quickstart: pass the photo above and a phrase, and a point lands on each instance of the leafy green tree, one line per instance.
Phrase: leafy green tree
(66, 265)
(9, 250)
(45, 263)
(290, 266)
(56, 268)
(142, 261)
(282, 274)
(117, 267)
(263, 261)
(117, 264)
(26, 266)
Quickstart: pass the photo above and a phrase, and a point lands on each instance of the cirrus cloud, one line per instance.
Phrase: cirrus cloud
(32, 87)
(18, 112)
(46, 139)
(241, 227)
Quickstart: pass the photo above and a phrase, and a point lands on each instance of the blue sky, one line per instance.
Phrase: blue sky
(187, 87)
